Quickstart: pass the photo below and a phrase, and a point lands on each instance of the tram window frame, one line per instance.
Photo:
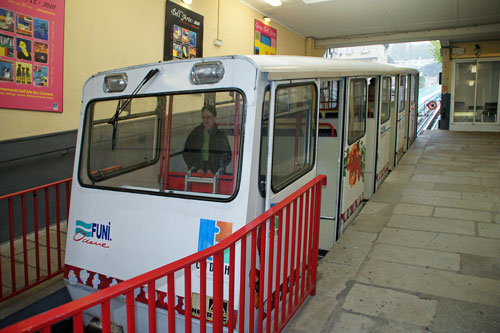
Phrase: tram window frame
(90, 129)
(160, 133)
(309, 145)
(355, 135)
(385, 113)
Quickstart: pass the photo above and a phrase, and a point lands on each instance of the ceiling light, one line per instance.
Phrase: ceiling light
(274, 3)
(307, 2)
(187, 2)
(267, 19)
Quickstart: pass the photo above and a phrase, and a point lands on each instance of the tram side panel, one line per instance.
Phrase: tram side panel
(328, 164)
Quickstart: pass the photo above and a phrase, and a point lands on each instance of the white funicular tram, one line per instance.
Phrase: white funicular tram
(139, 201)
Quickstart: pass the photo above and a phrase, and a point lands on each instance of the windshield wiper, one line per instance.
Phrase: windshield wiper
(121, 106)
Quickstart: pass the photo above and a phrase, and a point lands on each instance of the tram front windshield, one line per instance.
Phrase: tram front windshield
(182, 144)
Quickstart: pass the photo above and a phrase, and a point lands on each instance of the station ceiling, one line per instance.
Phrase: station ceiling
(340, 23)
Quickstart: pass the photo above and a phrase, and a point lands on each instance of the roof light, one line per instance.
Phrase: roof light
(207, 72)
(115, 82)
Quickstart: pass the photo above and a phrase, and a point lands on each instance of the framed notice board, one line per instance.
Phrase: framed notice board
(31, 54)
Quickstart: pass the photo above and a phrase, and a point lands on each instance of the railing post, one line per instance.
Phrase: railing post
(171, 301)
(151, 306)
(241, 312)
(230, 307)
(47, 230)
(203, 296)
(25, 243)
(37, 244)
(130, 312)
(187, 298)
(316, 237)
(12, 251)
(218, 291)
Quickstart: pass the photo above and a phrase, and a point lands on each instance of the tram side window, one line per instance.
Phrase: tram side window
(179, 144)
(386, 100)
(293, 137)
(393, 95)
(357, 110)
(402, 93)
(328, 104)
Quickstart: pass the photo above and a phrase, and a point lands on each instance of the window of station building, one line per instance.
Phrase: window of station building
(385, 111)
(293, 136)
(476, 91)
(184, 144)
(357, 110)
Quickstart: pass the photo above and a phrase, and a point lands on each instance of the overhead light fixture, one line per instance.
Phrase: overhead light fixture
(307, 2)
(187, 2)
(267, 19)
(274, 3)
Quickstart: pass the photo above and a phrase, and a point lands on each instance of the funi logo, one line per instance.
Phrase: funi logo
(213, 232)
(93, 233)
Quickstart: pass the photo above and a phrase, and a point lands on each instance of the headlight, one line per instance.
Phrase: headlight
(115, 82)
(207, 72)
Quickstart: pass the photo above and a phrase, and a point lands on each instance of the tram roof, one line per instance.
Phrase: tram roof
(297, 67)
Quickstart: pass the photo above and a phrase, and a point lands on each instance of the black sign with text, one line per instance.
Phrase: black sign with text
(183, 33)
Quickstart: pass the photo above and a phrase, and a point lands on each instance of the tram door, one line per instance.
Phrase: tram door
(354, 151)
(290, 120)
(329, 157)
(407, 112)
(412, 126)
(384, 133)
(371, 137)
(402, 130)
(394, 121)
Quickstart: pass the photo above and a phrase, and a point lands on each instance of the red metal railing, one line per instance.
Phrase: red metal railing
(287, 276)
(32, 236)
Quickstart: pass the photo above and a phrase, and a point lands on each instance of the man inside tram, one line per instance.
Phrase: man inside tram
(207, 149)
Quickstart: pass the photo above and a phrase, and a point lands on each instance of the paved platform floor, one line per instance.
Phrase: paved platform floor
(424, 253)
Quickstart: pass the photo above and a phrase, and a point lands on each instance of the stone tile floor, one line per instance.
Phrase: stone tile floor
(424, 253)
(55, 261)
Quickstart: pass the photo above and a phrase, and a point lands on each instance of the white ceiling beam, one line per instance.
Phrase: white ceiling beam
(462, 34)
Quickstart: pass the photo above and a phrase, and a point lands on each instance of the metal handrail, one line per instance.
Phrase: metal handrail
(298, 281)
(20, 285)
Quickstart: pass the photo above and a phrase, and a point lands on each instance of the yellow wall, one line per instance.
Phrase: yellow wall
(102, 35)
(487, 49)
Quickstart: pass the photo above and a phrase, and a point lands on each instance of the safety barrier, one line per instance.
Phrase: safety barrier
(27, 245)
(271, 294)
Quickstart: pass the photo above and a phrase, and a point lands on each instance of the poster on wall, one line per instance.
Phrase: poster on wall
(265, 39)
(31, 54)
(183, 33)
